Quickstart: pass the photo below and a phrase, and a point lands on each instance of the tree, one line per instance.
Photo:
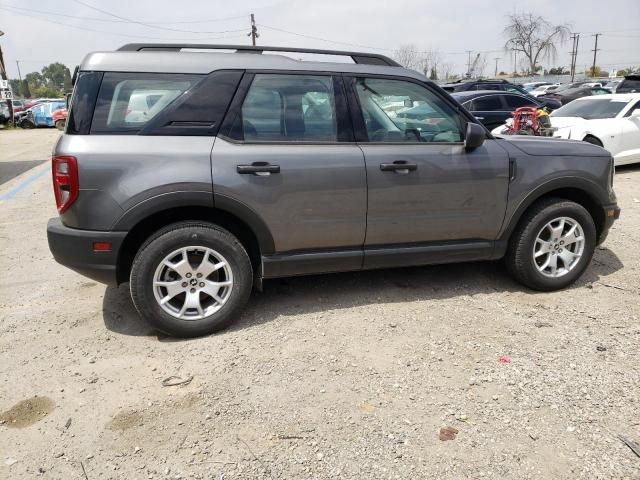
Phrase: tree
(593, 71)
(57, 75)
(627, 71)
(534, 37)
(428, 62)
(557, 71)
(408, 56)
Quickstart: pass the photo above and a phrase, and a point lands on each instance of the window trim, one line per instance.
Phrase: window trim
(359, 126)
(344, 128)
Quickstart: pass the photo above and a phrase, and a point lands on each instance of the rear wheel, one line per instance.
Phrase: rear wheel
(191, 279)
(552, 245)
(60, 124)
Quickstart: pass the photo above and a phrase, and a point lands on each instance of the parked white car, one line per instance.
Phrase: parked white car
(543, 89)
(610, 121)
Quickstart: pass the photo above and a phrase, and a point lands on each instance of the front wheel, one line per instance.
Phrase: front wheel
(552, 245)
(191, 279)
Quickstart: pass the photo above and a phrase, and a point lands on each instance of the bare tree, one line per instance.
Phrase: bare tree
(428, 62)
(408, 56)
(446, 70)
(534, 37)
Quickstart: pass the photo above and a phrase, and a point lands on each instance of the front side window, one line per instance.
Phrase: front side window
(288, 108)
(126, 102)
(401, 111)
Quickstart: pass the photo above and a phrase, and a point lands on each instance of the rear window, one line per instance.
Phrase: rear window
(629, 85)
(127, 101)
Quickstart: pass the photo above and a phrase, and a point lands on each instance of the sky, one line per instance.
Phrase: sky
(69, 29)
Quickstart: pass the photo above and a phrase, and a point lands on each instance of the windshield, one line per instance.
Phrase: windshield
(591, 109)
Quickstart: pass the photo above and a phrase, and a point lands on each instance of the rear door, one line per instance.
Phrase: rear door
(490, 110)
(424, 189)
(286, 155)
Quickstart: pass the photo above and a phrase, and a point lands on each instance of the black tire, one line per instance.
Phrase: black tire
(592, 140)
(176, 236)
(520, 259)
(60, 124)
(27, 124)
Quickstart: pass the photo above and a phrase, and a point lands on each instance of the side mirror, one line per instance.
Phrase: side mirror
(475, 136)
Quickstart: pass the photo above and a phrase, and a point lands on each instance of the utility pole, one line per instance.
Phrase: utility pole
(19, 74)
(3, 75)
(468, 63)
(595, 52)
(496, 59)
(254, 31)
(574, 54)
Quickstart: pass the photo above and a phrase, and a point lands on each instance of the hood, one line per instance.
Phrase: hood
(566, 122)
(549, 147)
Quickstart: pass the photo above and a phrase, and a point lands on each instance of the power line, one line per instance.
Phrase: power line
(127, 35)
(112, 20)
(149, 25)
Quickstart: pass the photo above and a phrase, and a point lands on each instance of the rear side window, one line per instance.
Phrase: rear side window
(487, 104)
(516, 101)
(288, 108)
(127, 101)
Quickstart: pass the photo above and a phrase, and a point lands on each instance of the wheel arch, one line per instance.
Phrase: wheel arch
(591, 135)
(231, 215)
(577, 190)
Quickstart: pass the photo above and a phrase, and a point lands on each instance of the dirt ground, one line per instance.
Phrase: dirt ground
(348, 376)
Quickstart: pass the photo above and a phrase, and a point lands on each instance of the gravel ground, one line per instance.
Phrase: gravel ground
(348, 376)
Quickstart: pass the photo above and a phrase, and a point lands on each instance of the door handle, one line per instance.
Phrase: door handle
(258, 168)
(399, 166)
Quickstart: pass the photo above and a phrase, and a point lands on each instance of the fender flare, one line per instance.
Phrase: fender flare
(167, 201)
(589, 187)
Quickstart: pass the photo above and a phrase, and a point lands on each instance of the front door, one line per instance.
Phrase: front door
(424, 189)
(287, 158)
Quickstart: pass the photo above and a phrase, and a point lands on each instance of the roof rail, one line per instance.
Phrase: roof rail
(357, 57)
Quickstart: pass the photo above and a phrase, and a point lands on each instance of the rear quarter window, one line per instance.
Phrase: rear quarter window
(128, 101)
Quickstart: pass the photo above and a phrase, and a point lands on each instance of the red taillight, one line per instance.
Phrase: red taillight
(101, 246)
(65, 181)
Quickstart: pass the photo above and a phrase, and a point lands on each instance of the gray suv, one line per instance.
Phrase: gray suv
(194, 175)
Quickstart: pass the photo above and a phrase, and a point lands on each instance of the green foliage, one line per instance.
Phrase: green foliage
(557, 71)
(627, 71)
(51, 82)
(593, 71)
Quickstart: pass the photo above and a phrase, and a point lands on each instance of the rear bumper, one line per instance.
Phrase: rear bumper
(611, 214)
(73, 248)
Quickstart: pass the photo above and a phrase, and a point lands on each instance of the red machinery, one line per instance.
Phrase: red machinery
(530, 121)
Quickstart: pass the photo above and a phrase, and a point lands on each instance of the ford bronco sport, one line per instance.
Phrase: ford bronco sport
(194, 175)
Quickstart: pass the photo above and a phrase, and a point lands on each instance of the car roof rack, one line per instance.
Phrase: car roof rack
(357, 57)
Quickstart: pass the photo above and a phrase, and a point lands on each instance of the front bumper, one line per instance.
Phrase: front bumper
(73, 248)
(611, 214)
